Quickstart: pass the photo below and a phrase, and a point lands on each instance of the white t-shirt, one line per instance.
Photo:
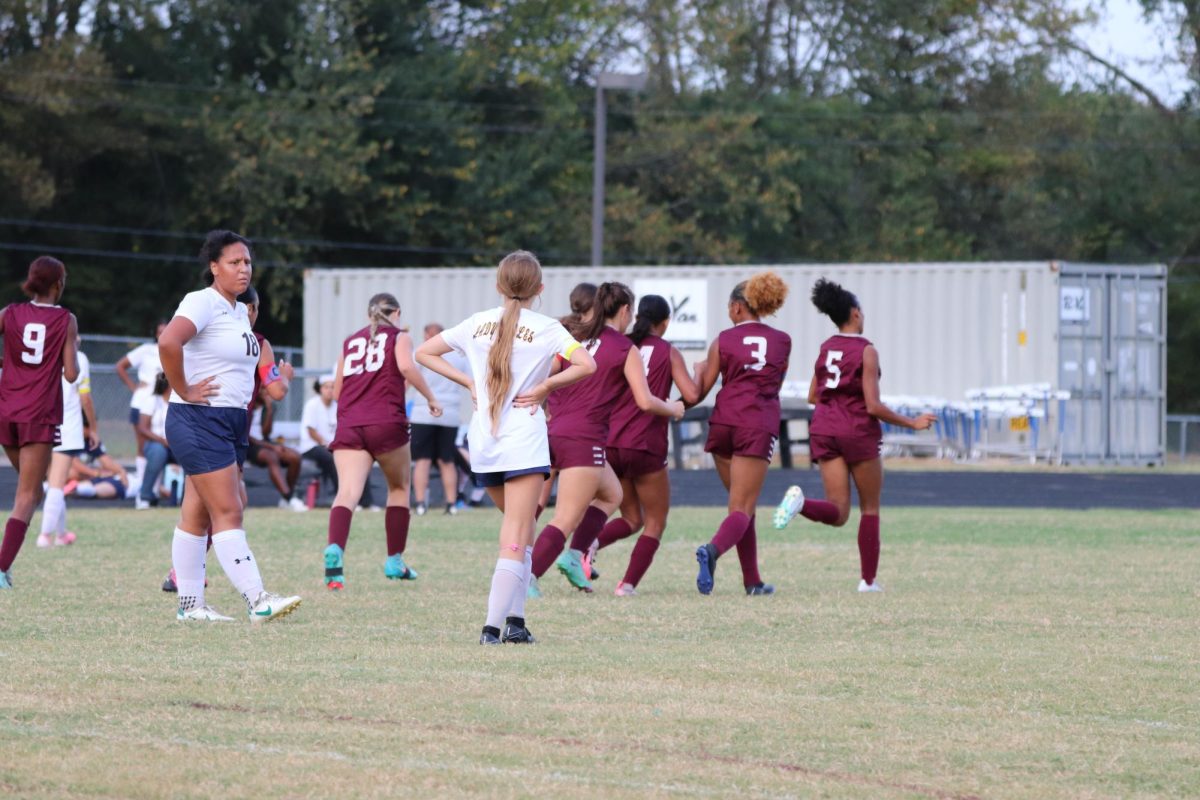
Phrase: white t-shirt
(520, 442)
(144, 358)
(448, 393)
(256, 425)
(321, 418)
(224, 347)
(155, 407)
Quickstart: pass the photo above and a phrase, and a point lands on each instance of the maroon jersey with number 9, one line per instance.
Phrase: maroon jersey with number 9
(841, 408)
(31, 384)
(754, 358)
(372, 385)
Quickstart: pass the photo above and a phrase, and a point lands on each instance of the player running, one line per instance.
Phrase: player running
(39, 353)
(637, 443)
(845, 435)
(372, 427)
(77, 404)
(751, 358)
(511, 350)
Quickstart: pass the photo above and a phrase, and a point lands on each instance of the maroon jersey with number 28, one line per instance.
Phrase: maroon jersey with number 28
(31, 386)
(841, 408)
(372, 386)
(754, 358)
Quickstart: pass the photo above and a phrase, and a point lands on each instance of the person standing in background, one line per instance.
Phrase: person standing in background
(145, 361)
(434, 437)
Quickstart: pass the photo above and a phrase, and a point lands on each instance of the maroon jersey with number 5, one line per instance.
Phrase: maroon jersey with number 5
(372, 386)
(754, 358)
(632, 428)
(841, 408)
(581, 411)
(31, 384)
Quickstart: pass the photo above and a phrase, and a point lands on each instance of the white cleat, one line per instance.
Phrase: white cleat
(45, 540)
(270, 606)
(789, 506)
(297, 505)
(863, 586)
(202, 614)
(625, 590)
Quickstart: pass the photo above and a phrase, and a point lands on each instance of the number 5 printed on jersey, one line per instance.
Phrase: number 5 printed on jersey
(374, 353)
(758, 351)
(835, 372)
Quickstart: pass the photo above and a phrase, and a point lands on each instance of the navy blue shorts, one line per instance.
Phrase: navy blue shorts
(134, 415)
(206, 439)
(488, 480)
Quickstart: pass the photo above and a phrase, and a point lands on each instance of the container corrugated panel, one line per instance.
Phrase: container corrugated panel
(941, 328)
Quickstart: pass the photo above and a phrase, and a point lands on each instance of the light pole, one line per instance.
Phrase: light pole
(606, 80)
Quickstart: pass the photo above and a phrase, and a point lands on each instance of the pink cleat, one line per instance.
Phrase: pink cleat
(64, 539)
(45, 540)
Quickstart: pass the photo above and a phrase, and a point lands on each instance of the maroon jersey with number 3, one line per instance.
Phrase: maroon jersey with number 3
(372, 386)
(841, 408)
(31, 384)
(581, 411)
(633, 428)
(754, 358)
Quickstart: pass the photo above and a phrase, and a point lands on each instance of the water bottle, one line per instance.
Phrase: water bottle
(314, 489)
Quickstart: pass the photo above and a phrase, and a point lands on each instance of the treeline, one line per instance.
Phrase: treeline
(398, 133)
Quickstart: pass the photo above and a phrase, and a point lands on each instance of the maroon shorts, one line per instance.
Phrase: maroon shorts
(854, 449)
(567, 453)
(630, 463)
(375, 439)
(728, 441)
(19, 434)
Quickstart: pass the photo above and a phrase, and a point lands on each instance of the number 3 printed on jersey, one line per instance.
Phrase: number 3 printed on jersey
(34, 339)
(373, 352)
(758, 351)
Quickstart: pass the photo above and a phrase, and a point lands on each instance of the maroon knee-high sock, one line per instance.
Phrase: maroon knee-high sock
(747, 550)
(821, 511)
(14, 537)
(339, 526)
(732, 529)
(588, 529)
(868, 546)
(395, 524)
(614, 531)
(549, 544)
(639, 560)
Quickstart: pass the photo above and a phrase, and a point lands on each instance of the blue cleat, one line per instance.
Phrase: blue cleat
(570, 564)
(706, 556)
(335, 579)
(759, 589)
(396, 570)
(533, 592)
(5, 580)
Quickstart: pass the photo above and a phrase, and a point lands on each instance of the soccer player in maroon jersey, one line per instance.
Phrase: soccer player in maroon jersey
(372, 427)
(637, 443)
(588, 489)
(39, 351)
(845, 435)
(751, 358)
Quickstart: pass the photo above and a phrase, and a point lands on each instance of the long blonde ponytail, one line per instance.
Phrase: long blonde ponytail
(518, 278)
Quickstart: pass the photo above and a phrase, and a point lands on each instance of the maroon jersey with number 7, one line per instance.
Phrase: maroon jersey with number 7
(754, 358)
(31, 384)
(372, 386)
(841, 408)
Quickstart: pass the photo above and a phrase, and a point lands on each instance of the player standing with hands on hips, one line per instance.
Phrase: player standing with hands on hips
(209, 355)
(845, 434)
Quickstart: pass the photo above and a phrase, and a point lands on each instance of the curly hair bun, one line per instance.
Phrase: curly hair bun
(765, 292)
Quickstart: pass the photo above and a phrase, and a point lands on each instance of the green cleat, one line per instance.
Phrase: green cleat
(396, 570)
(533, 592)
(5, 580)
(570, 564)
(335, 578)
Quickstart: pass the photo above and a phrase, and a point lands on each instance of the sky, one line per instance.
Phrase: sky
(1138, 46)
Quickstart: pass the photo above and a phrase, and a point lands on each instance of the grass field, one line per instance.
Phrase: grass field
(1014, 655)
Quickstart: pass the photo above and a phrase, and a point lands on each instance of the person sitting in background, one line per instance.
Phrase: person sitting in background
(318, 423)
(97, 474)
(152, 426)
(275, 457)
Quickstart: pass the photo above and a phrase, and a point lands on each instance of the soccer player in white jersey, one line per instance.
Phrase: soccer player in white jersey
(511, 350)
(77, 402)
(144, 360)
(209, 355)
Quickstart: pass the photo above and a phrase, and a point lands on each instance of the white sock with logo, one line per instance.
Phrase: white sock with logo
(507, 580)
(238, 563)
(54, 512)
(187, 557)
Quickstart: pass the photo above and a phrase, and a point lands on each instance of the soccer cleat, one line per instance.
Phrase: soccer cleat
(706, 557)
(490, 635)
(297, 505)
(335, 577)
(420, 508)
(571, 566)
(789, 506)
(268, 606)
(202, 614)
(45, 540)
(64, 539)
(6, 580)
(451, 509)
(169, 584)
(761, 588)
(589, 560)
(863, 586)
(515, 632)
(396, 570)
(533, 591)
(140, 505)
(283, 504)
(625, 590)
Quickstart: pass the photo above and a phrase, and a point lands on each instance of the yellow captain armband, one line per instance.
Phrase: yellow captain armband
(571, 348)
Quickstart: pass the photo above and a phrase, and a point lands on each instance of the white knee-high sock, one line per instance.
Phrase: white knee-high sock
(238, 563)
(139, 466)
(518, 602)
(507, 580)
(187, 557)
(54, 512)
